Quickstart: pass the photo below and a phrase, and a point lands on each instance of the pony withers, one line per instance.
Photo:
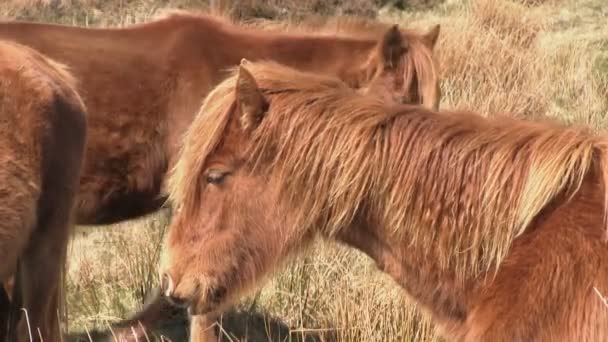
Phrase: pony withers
(42, 139)
(496, 227)
(143, 85)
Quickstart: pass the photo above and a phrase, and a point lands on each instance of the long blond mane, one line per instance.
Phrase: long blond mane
(461, 185)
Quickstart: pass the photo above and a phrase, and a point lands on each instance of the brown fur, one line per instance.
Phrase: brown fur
(42, 139)
(144, 83)
(495, 226)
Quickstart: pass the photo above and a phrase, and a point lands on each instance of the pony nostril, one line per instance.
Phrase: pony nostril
(167, 285)
(217, 294)
(178, 301)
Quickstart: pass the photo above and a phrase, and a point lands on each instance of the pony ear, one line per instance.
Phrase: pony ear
(392, 46)
(249, 99)
(430, 38)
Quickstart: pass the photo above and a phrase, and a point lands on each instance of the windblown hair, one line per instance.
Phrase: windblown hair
(459, 184)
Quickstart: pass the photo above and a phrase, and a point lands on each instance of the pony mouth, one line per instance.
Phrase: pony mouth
(211, 301)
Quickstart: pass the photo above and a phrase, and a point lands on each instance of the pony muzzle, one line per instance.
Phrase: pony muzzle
(167, 286)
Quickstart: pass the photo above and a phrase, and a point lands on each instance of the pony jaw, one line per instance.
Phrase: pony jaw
(202, 278)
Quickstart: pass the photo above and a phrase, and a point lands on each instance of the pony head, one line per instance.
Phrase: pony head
(403, 68)
(234, 220)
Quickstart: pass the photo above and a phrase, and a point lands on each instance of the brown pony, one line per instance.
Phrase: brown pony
(42, 141)
(495, 226)
(143, 85)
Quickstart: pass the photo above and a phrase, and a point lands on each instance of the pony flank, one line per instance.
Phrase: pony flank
(167, 66)
(42, 139)
(482, 221)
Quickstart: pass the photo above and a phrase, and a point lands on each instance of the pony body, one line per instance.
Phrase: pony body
(495, 226)
(42, 139)
(143, 85)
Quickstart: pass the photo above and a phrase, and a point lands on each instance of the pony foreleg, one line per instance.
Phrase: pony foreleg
(5, 308)
(42, 267)
(41, 299)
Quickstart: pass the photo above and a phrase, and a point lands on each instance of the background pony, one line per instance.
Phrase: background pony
(143, 85)
(42, 139)
(495, 226)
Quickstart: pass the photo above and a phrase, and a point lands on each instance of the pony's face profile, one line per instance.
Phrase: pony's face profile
(403, 69)
(239, 191)
(226, 233)
(227, 243)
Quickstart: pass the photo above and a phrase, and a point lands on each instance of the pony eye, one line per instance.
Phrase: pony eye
(215, 176)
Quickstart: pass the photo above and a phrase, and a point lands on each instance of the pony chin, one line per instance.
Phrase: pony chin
(204, 305)
(213, 297)
(200, 284)
(216, 293)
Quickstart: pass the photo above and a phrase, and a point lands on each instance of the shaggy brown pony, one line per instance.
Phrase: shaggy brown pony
(495, 226)
(42, 142)
(143, 85)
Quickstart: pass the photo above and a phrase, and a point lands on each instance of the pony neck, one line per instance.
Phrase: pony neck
(338, 56)
(436, 290)
(455, 191)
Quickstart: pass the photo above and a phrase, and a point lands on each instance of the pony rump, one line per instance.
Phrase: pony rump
(463, 186)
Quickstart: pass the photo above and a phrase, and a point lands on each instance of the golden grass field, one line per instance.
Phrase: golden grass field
(529, 58)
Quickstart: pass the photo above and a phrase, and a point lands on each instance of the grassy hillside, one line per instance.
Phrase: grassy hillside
(529, 58)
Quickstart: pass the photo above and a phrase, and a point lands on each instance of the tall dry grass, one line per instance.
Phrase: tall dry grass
(112, 269)
(503, 57)
(125, 12)
(530, 58)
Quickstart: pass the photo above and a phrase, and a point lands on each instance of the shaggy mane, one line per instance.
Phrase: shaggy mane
(463, 185)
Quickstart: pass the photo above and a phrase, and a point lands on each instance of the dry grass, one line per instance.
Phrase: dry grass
(112, 269)
(332, 294)
(124, 12)
(532, 58)
(506, 57)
